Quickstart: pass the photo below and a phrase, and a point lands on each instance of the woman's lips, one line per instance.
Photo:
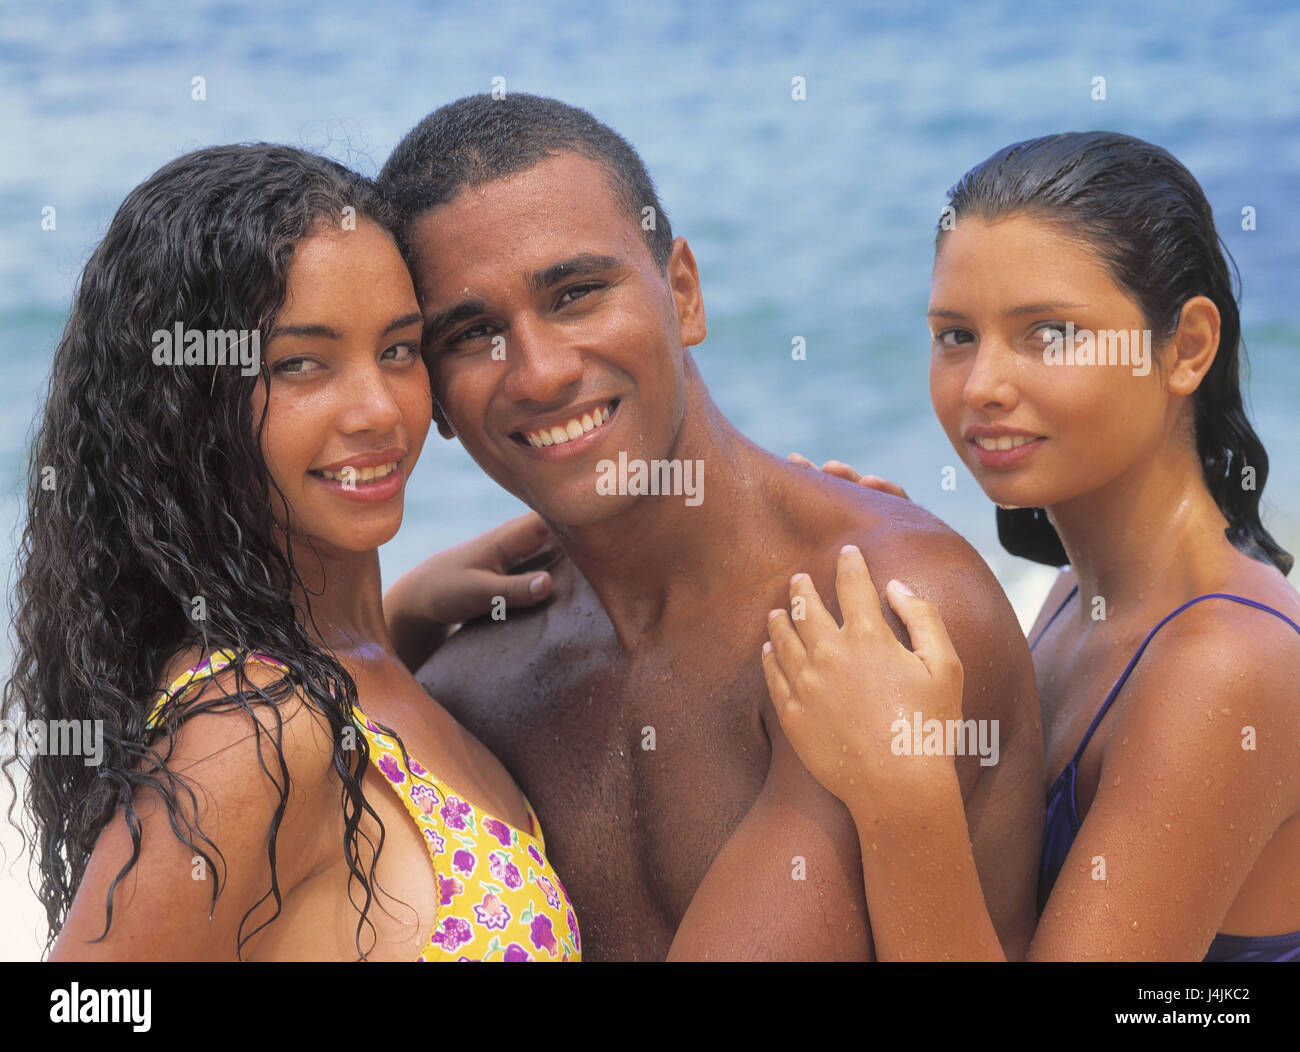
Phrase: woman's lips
(365, 492)
(1008, 450)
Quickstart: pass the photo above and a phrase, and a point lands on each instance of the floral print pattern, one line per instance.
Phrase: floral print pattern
(492, 912)
(513, 909)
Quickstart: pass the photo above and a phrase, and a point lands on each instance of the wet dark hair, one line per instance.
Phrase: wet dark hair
(161, 494)
(479, 139)
(1147, 219)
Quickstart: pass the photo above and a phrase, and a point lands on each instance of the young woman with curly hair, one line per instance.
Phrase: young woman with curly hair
(201, 586)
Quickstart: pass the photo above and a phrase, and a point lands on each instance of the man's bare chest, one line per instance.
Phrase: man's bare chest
(639, 768)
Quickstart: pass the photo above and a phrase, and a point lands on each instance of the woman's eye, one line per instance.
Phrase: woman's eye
(294, 366)
(402, 352)
(1050, 331)
(576, 292)
(954, 337)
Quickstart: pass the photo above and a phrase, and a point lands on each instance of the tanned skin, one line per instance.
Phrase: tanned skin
(715, 843)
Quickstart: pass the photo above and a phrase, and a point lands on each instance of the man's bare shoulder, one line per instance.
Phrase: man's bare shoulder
(900, 539)
(895, 535)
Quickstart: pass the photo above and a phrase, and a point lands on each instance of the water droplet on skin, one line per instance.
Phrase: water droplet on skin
(1116, 781)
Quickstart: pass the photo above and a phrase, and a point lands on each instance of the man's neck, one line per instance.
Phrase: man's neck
(661, 561)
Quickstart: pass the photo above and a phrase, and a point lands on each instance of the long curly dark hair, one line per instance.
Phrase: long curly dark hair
(1147, 217)
(159, 494)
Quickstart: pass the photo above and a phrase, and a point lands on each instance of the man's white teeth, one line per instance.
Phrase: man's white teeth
(575, 428)
(360, 474)
(1004, 441)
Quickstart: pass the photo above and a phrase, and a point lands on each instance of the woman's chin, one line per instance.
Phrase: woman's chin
(343, 541)
(1011, 497)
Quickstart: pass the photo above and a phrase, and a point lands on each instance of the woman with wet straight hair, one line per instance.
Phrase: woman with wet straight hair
(1168, 650)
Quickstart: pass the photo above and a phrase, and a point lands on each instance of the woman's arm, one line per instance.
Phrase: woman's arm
(923, 892)
(462, 583)
(1182, 810)
(161, 907)
(1199, 770)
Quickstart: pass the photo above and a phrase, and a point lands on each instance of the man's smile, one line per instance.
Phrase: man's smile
(574, 429)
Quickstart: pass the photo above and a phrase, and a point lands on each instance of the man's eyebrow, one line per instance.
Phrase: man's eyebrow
(1026, 308)
(573, 267)
(437, 325)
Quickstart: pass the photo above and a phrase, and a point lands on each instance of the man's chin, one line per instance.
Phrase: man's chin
(578, 512)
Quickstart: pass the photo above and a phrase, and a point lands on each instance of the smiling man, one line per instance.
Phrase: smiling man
(631, 708)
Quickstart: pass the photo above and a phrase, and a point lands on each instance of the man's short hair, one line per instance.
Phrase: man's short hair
(479, 139)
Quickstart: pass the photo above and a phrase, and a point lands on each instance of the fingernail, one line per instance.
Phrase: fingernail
(767, 648)
(772, 615)
(848, 548)
(538, 584)
(795, 579)
(903, 588)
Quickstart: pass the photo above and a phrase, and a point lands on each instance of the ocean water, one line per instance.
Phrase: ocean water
(809, 218)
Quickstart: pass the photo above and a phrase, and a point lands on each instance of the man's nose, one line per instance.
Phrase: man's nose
(542, 362)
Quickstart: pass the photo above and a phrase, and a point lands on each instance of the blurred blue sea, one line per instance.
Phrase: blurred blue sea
(808, 218)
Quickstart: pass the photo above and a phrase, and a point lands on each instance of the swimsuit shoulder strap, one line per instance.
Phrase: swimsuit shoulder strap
(192, 677)
(1128, 669)
(1064, 603)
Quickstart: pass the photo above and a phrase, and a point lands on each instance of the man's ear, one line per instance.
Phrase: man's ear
(684, 281)
(1194, 346)
(440, 419)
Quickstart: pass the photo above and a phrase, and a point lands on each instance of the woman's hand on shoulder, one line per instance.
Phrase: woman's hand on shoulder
(464, 582)
(842, 471)
(227, 779)
(840, 692)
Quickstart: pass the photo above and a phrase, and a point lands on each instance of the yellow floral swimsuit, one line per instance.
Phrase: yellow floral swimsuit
(499, 899)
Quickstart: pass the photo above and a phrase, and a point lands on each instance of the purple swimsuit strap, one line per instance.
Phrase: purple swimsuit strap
(1128, 669)
(1055, 614)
